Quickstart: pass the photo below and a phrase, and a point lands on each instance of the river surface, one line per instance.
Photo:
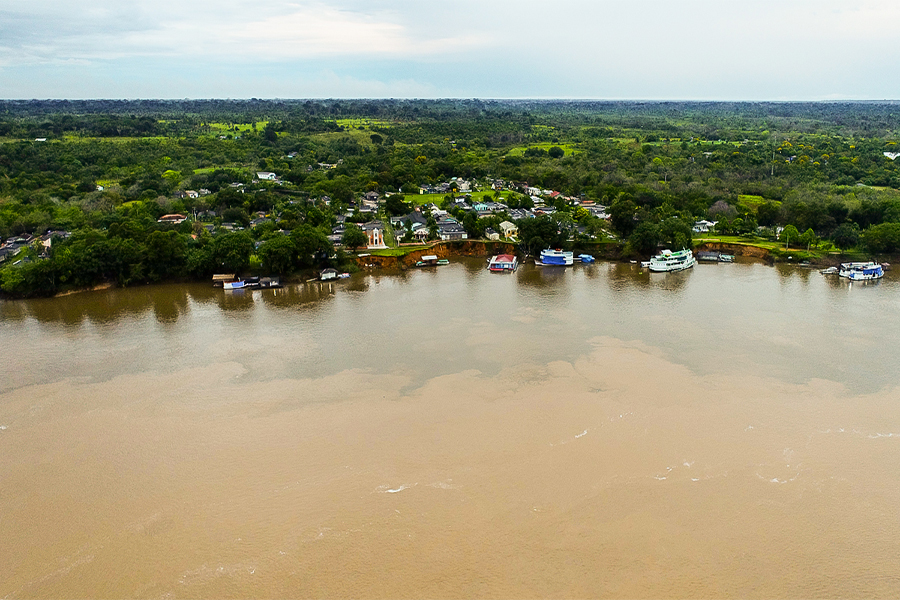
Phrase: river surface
(597, 431)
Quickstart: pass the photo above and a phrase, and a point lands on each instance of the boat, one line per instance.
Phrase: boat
(556, 258)
(443, 261)
(233, 285)
(586, 258)
(858, 271)
(429, 260)
(645, 264)
(726, 258)
(829, 271)
(343, 275)
(667, 261)
(705, 255)
(865, 272)
(503, 262)
(269, 283)
(328, 274)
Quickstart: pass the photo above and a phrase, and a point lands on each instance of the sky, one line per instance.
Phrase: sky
(583, 49)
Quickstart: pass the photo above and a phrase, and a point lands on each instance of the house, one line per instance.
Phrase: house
(449, 229)
(492, 235)
(892, 155)
(509, 229)
(174, 219)
(266, 176)
(191, 194)
(421, 234)
(337, 235)
(375, 232)
(703, 226)
(598, 211)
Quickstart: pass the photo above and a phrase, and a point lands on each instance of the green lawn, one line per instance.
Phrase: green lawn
(520, 150)
(364, 123)
(402, 251)
(420, 199)
(777, 248)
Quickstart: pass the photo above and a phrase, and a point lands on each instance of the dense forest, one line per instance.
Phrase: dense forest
(101, 174)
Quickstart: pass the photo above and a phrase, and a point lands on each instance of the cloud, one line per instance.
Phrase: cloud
(675, 49)
(263, 31)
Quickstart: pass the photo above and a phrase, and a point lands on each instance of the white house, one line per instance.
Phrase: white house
(266, 176)
(703, 226)
(509, 229)
(375, 234)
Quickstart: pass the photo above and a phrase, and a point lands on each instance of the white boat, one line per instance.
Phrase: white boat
(560, 258)
(861, 271)
(667, 261)
(234, 285)
(829, 271)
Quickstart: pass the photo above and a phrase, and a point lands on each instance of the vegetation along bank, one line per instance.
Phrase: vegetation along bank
(131, 192)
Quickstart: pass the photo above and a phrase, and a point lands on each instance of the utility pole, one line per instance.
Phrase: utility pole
(772, 174)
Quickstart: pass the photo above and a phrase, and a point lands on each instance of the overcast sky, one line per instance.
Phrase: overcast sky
(607, 49)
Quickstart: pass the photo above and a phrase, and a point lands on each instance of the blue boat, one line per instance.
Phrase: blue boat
(586, 258)
(865, 272)
(556, 258)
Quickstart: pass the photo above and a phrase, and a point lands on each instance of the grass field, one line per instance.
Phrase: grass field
(402, 251)
(420, 199)
(362, 123)
(569, 149)
(225, 128)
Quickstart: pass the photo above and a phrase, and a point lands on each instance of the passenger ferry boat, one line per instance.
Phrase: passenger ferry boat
(861, 271)
(672, 261)
(556, 258)
(503, 262)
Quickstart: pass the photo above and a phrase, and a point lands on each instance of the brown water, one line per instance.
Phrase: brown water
(597, 431)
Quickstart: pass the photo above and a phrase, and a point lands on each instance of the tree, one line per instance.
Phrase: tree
(767, 213)
(622, 217)
(808, 238)
(645, 238)
(278, 255)
(675, 233)
(309, 242)
(165, 256)
(556, 152)
(846, 235)
(395, 206)
(231, 251)
(354, 237)
(789, 233)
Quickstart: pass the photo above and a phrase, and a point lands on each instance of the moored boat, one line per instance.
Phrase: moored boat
(586, 258)
(551, 257)
(328, 274)
(667, 261)
(234, 285)
(726, 258)
(866, 272)
(503, 262)
(861, 270)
